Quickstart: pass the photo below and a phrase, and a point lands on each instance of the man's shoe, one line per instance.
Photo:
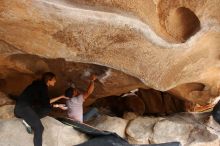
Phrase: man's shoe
(28, 127)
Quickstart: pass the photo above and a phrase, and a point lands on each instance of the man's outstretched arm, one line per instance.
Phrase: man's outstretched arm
(90, 88)
(58, 98)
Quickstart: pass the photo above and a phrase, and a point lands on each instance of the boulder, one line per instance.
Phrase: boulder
(140, 130)
(166, 130)
(191, 129)
(13, 133)
(112, 124)
(185, 128)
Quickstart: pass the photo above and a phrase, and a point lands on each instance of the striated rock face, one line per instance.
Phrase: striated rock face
(165, 45)
(142, 102)
(160, 102)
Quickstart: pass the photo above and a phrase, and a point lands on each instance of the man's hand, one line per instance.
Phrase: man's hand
(55, 105)
(63, 106)
(93, 77)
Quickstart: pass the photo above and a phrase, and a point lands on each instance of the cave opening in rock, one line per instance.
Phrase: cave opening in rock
(112, 88)
(116, 93)
(125, 103)
(141, 102)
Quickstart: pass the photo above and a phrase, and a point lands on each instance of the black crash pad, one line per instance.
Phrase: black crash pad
(104, 138)
(216, 112)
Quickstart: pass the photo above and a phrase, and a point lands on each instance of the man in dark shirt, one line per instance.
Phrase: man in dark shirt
(34, 104)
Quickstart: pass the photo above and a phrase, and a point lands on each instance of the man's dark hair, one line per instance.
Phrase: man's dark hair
(48, 76)
(69, 92)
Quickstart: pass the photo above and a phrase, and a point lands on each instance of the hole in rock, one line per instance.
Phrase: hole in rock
(182, 23)
(21, 69)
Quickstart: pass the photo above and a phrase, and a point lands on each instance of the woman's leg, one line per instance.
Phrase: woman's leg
(42, 111)
(28, 114)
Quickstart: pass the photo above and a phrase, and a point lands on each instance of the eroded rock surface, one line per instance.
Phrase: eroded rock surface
(150, 40)
(164, 45)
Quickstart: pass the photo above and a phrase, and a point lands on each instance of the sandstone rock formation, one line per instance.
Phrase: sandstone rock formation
(164, 44)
